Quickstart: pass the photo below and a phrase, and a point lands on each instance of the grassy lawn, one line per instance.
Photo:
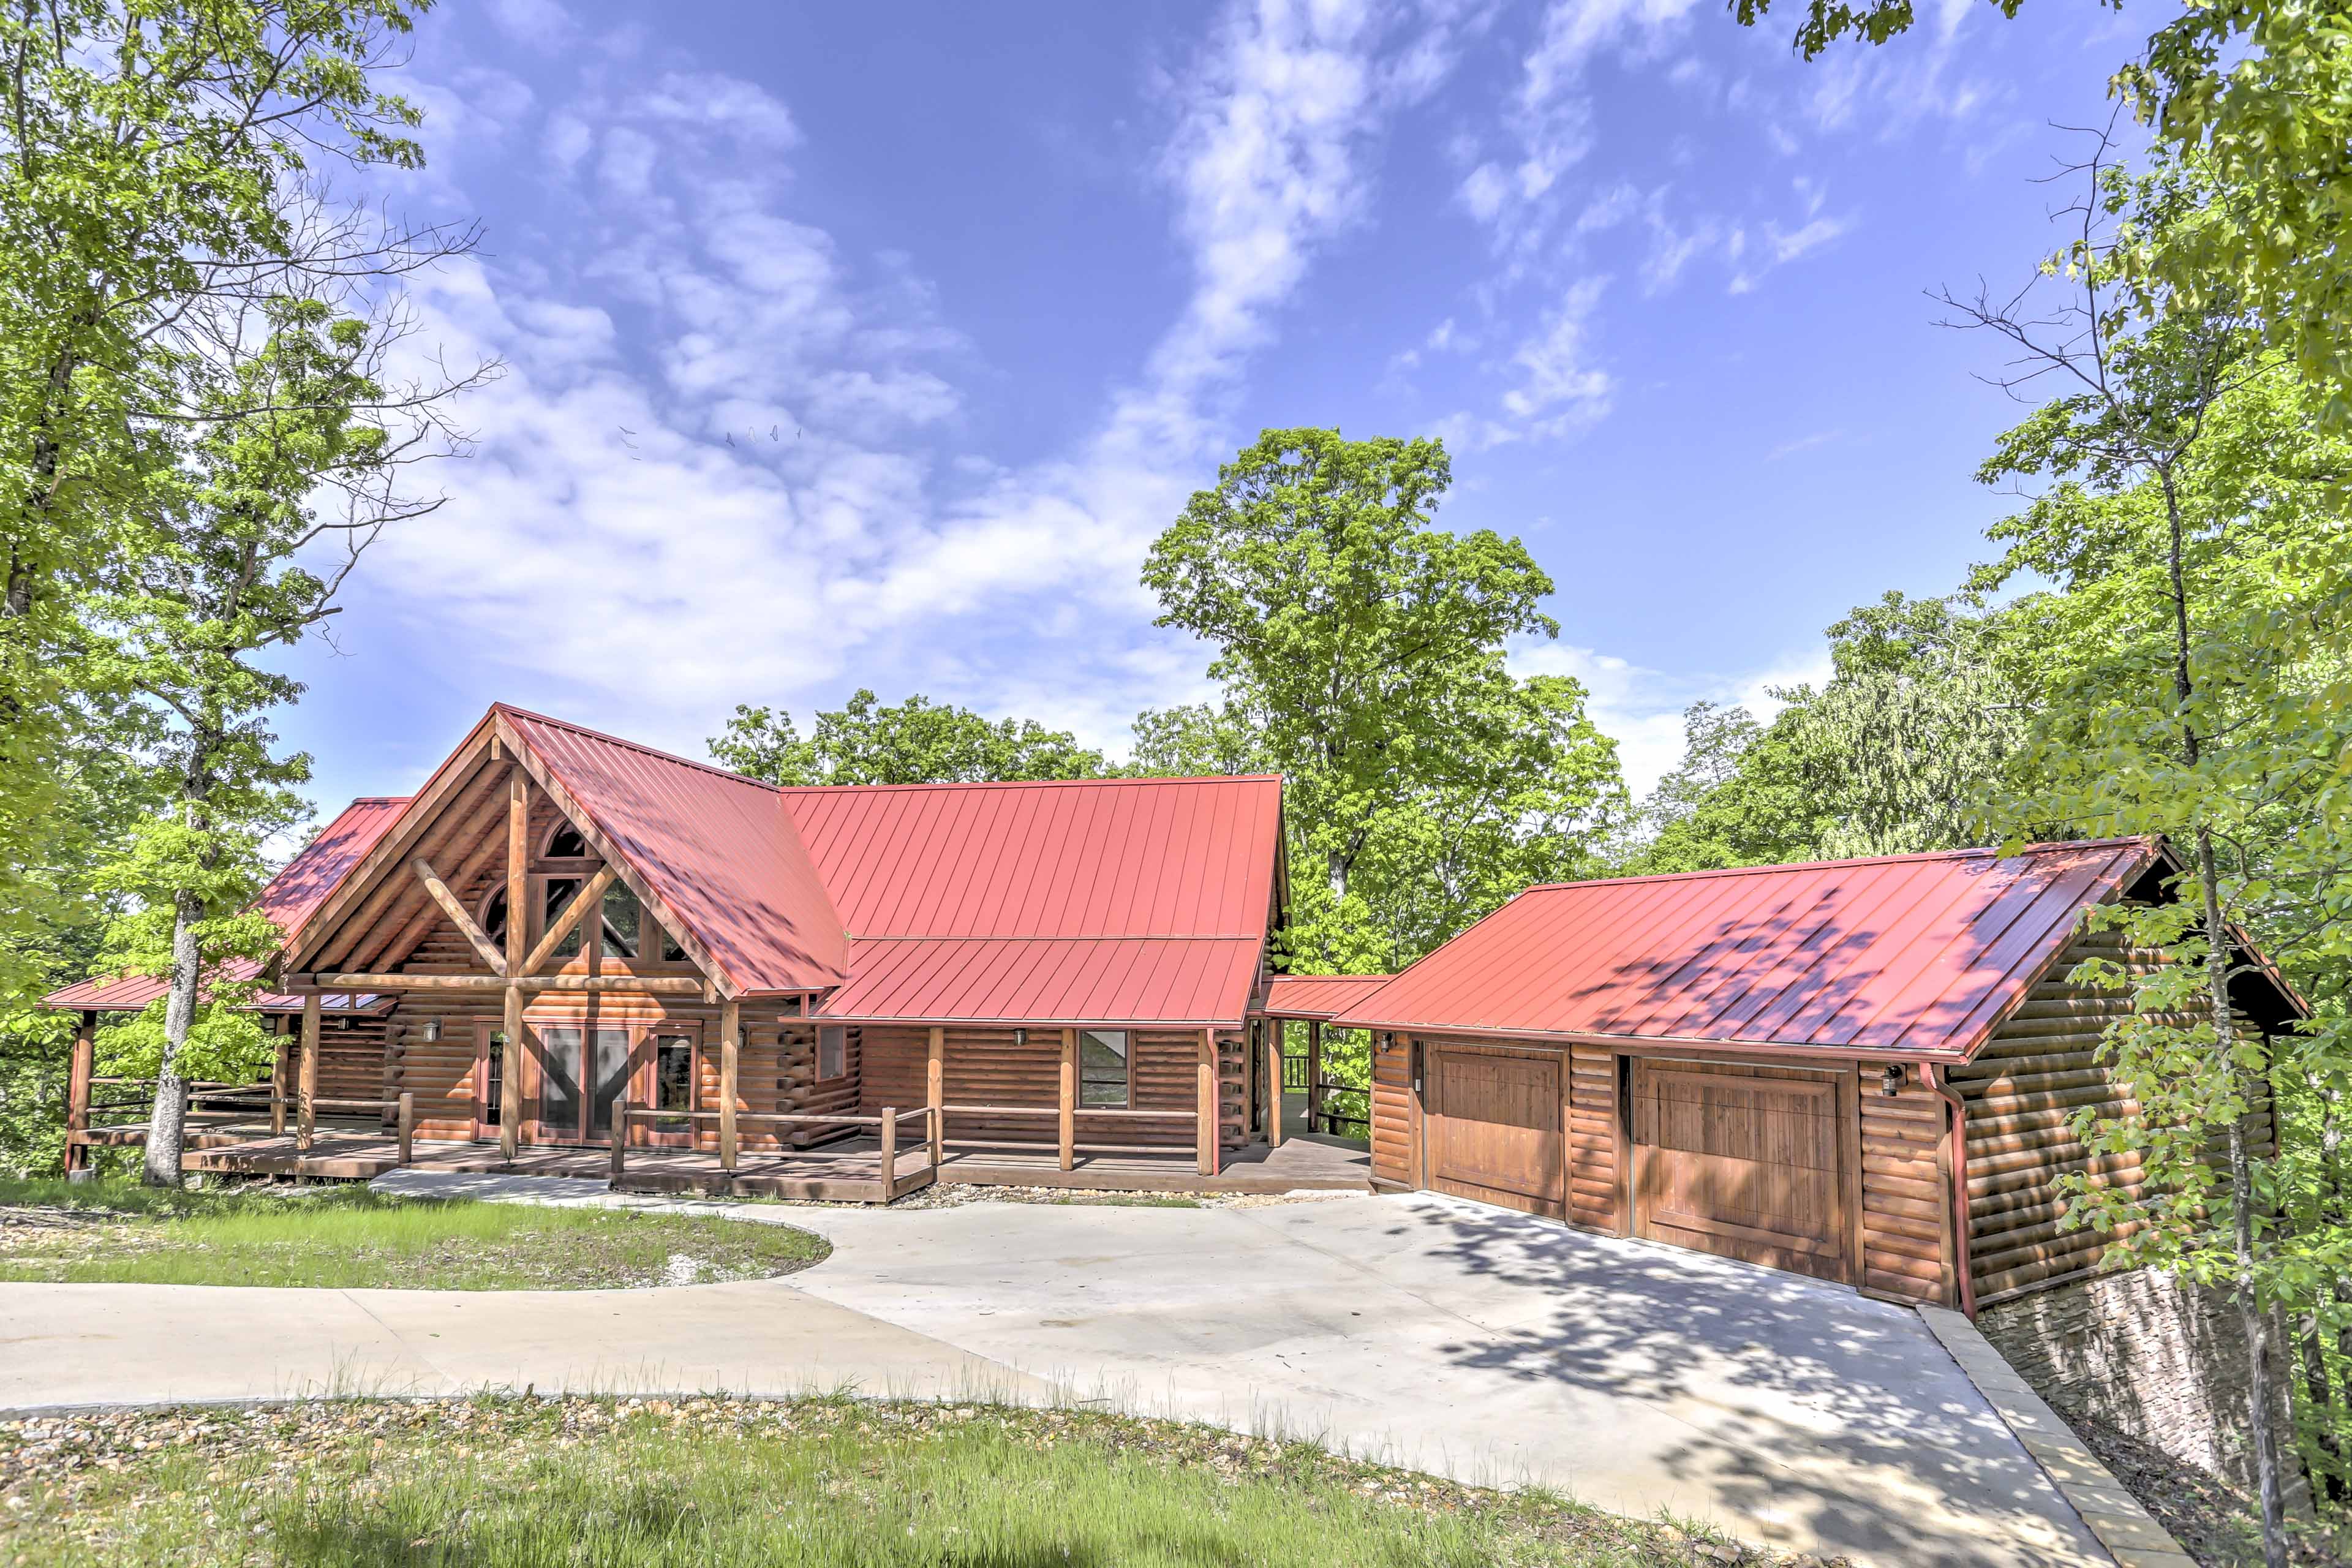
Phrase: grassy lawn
(347, 1237)
(522, 1484)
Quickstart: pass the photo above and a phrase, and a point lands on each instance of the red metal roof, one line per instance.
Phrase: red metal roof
(711, 847)
(1317, 996)
(1098, 901)
(1908, 955)
(290, 898)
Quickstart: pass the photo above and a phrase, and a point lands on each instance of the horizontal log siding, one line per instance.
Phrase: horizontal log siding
(2040, 1067)
(1392, 1109)
(1905, 1192)
(984, 1067)
(1595, 1185)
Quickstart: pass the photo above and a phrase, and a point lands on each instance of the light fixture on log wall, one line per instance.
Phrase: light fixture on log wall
(1890, 1081)
(432, 1030)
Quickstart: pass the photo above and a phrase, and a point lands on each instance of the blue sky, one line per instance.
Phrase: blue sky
(871, 345)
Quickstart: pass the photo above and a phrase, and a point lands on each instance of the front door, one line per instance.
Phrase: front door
(581, 1072)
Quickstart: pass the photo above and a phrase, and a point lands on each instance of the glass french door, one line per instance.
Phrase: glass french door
(581, 1073)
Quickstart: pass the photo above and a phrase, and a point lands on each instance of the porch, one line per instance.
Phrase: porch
(848, 1170)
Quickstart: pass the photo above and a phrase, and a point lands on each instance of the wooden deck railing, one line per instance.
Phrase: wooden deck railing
(400, 1108)
(625, 1115)
(1068, 1146)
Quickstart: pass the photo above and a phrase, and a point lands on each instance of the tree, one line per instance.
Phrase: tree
(2190, 681)
(290, 468)
(1362, 653)
(161, 177)
(2253, 90)
(1898, 752)
(915, 741)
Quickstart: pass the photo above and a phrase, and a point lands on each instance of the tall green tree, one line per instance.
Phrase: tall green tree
(2190, 682)
(867, 742)
(1363, 653)
(2259, 91)
(290, 470)
(162, 167)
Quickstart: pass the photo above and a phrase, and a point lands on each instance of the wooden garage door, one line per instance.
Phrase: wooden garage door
(1491, 1127)
(1743, 1161)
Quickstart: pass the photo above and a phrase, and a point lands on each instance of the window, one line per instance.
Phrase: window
(623, 919)
(672, 1080)
(566, 844)
(493, 1078)
(832, 1050)
(1102, 1068)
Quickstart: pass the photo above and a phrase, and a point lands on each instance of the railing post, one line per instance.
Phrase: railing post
(77, 1077)
(1069, 1098)
(408, 1126)
(1315, 1076)
(621, 1137)
(938, 1121)
(889, 1151)
(1206, 1106)
(307, 1129)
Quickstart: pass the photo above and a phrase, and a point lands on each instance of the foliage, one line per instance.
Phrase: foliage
(1361, 654)
(1896, 753)
(2188, 679)
(915, 741)
(2259, 91)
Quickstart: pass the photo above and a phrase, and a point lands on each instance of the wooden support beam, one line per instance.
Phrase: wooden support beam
(647, 984)
(621, 1140)
(438, 890)
(1205, 1109)
(1272, 1032)
(889, 1153)
(1315, 1075)
(277, 1065)
(393, 892)
(396, 938)
(1069, 1098)
(511, 1074)
(935, 1087)
(730, 1053)
(307, 1127)
(408, 1125)
(586, 897)
(77, 1077)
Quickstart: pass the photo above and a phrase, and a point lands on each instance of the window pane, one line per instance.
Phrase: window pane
(832, 1050)
(672, 950)
(673, 1075)
(558, 893)
(494, 918)
(559, 1089)
(608, 1075)
(493, 1083)
(1111, 1095)
(621, 921)
(567, 845)
(1102, 1053)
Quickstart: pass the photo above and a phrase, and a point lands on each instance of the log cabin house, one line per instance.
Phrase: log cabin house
(567, 949)
(1862, 1070)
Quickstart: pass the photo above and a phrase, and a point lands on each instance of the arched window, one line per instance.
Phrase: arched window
(565, 843)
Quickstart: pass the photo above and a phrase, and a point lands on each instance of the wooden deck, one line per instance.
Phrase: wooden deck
(848, 1171)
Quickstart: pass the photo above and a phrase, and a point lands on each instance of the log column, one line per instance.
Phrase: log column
(935, 1088)
(730, 1053)
(1206, 1130)
(307, 1127)
(1315, 1075)
(1273, 1028)
(77, 1077)
(1067, 1099)
(517, 929)
(277, 1065)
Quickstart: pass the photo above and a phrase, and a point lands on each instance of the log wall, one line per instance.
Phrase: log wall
(1595, 1185)
(985, 1066)
(1391, 1109)
(2038, 1070)
(1907, 1191)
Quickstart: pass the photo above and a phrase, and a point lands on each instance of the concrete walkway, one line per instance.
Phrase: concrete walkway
(1439, 1334)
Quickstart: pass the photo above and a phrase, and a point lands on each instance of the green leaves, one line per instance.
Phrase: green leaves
(915, 742)
(1360, 649)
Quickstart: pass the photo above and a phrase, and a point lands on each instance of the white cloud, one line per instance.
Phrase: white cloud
(759, 489)
(1642, 709)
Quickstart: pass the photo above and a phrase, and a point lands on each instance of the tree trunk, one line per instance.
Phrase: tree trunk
(2251, 1320)
(167, 1124)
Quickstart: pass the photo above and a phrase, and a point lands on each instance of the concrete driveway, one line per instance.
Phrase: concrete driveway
(1439, 1334)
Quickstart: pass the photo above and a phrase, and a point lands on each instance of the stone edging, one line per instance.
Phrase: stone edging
(2130, 1532)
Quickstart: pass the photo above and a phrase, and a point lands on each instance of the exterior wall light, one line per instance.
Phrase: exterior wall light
(1890, 1080)
(432, 1030)
(1020, 1037)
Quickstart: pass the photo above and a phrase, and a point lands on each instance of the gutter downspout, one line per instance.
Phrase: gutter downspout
(1932, 1075)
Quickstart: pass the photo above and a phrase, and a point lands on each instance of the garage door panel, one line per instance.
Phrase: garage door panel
(1493, 1129)
(1744, 1164)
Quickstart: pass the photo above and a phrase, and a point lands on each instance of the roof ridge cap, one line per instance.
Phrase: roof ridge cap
(639, 746)
(1033, 783)
(1979, 852)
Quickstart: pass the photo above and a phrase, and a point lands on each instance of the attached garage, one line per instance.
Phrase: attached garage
(1779, 1064)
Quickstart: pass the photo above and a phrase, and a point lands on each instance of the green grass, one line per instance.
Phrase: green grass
(350, 1237)
(534, 1484)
